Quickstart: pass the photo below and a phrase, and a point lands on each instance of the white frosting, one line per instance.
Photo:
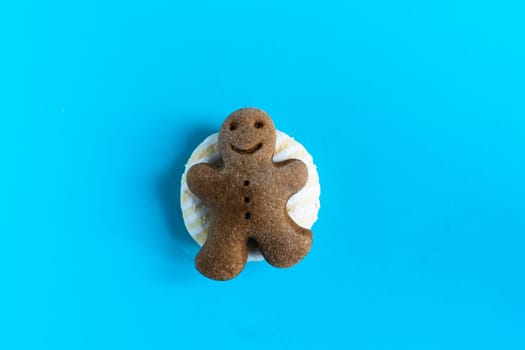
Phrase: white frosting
(302, 206)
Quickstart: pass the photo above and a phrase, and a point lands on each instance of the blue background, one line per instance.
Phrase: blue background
(414, 113)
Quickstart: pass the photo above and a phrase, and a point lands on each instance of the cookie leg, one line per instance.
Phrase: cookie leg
(286, 247)
(222, 258)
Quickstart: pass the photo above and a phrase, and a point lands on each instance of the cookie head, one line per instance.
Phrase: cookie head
(247, 133)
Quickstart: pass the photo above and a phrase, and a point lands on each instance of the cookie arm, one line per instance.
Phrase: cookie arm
(293, 173)
(202, 179)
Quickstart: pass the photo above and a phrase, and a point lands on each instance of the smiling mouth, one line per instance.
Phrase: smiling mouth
(247, 151)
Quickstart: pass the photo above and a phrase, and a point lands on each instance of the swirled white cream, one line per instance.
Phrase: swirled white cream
(302, 206)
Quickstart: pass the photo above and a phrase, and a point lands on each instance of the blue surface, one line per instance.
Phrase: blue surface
(414, 112)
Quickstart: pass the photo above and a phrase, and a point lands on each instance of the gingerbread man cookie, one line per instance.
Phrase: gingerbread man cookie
(246, 192)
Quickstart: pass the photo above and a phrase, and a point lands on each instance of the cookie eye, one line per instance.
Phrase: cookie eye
(258, 124)
(233, 126)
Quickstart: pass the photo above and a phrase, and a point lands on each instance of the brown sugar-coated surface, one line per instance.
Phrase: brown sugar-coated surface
(247, 194)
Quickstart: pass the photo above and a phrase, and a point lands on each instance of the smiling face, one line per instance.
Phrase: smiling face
(247, 132)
